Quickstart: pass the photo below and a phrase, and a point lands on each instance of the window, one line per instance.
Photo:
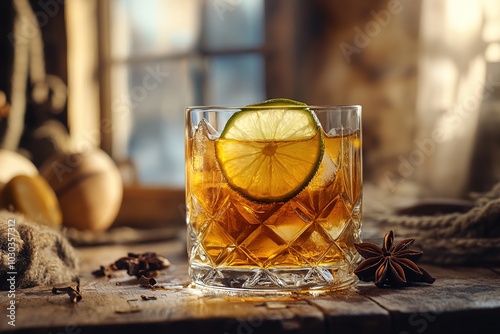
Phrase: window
(164, 55)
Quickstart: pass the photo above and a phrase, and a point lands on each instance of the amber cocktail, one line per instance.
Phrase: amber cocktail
(273, 194)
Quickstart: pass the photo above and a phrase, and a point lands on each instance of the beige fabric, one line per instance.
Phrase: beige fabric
(41, 255)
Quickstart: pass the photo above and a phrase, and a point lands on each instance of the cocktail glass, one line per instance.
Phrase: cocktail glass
(271, 206)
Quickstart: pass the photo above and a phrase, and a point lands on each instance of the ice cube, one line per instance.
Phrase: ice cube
(326, 173)
(343, 132)
(207, 129)
(203, 148)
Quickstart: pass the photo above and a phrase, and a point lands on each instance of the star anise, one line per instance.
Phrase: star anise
(389, 265)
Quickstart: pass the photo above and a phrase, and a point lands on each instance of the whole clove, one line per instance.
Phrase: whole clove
(148, 297)
(103, 271)
(74, 294)
(147, 281)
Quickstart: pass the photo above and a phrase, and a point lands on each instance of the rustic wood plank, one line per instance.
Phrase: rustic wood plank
(462, 300)
(179, 307)
(349, 312)
(495, 269)
(106, 306)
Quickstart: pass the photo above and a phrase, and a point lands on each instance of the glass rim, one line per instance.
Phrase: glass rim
(340, 107)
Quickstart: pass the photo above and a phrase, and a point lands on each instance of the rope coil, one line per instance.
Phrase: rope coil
(472, 237)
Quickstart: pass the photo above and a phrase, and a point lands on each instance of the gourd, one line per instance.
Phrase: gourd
(12, 164)
(32, 196)
(88, 186)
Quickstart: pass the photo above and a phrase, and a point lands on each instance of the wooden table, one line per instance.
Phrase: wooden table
(462, 300)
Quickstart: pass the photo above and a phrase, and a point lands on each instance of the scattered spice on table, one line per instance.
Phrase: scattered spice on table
(144, 297)
(127, 311)
(105, 271)
(146, 264)
(391, 265)
(148, 282)
(73, 293)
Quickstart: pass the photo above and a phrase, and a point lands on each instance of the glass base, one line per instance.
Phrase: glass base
(274, 280)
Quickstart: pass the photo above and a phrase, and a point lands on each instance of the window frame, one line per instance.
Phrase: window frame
(153, 206)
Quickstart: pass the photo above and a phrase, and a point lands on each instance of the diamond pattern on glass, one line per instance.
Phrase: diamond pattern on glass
(215, 241)
(263, 244)
(335, 215)
(312, 243)
(307, 242)
(347, 239)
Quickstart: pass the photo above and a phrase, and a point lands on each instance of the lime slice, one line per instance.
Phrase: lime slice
(270, 151)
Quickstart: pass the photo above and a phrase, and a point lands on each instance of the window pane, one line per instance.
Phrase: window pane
(151, 110)
(235, 80)
(149, 98)
(231, 24)
(153, 27)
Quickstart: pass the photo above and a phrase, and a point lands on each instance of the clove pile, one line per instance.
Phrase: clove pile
(146, 264)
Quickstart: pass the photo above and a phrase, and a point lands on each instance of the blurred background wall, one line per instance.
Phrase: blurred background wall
(426, 73)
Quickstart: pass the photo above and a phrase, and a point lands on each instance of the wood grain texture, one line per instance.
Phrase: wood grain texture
(496, 270)
(462, 300)
(349, 312)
